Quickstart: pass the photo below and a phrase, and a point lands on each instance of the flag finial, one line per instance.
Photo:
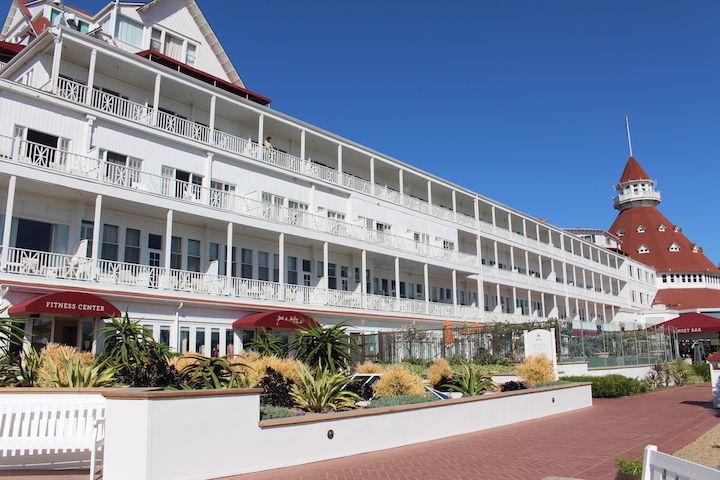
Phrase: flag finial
(627, 130)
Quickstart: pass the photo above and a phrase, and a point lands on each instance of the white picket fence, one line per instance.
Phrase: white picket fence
(661, 466)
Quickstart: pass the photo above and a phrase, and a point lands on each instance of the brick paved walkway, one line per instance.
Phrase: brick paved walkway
(581, 444)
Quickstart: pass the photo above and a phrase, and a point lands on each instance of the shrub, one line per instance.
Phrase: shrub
(277, 389)
(536, 369)
(398, 380)
(272, 411)
(470, 383)
(361, 387)
(325, 348)
(53, 362)
(439, 373)
(483, 357)
(269, 345)
(614, 386)
(369, 368)
(702, 371)
(211, 373)
(73, 373)
(680, 372)
(659, 375)
(254, 367)
(322, 391)
(287, 367)
(629, 466)
(512, 386)
(400, 400)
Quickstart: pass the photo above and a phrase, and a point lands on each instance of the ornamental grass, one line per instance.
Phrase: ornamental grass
(398, 380)
(368, 368)
(536, 369)
(439, 373)
(53, 359)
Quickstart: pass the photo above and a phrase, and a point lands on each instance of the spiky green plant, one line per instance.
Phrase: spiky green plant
(470, 382)
(324, 348)
(322, 391)
(28, 370)
(10, 334)
(268, 345)
(79, 375)
(205, 373)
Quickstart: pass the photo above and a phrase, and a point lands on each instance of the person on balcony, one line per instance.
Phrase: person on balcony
(267, 143)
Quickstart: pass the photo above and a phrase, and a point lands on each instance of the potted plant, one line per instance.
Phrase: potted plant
(628, 468)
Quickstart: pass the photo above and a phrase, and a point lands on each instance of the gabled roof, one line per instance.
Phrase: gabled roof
(633, 171)
(660, 257)
(210, 37)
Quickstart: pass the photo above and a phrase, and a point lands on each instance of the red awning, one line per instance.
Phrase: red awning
(693, 322)
(282, 319)
(66, 303)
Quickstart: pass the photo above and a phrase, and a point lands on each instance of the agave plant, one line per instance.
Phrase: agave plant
(324, 348)
(470, 382)
(28, 368)
(322, 391)
(268, 345)
(204, 373)
(75, 374)
(10, 334)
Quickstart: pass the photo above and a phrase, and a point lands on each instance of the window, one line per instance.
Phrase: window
(182, 184)
(674, 247)
(344, 283)
(110, 243)
(55, 16)
(263, 266)
(307, 274)
(643, 249)
(200, 341)
(129, 31)
(79, 25)
(336, 215)
(296, 205)
(156, 40)
(176, 253)
(292, 276)
(661, 228)
(193, 255)
(221, 193)
(191, 54)
(173, 47)
(132, 245)
(620, 233)
(448, 245)
(246, 262)
(421, 237)
(154, 247)
(86, 233)
(383, 227)
(214, 252)
(320, 269)
(356, 275)
(215, 342)
(332, 276)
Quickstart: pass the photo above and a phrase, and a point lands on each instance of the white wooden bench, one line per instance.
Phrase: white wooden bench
(34, 429)
(661, 466)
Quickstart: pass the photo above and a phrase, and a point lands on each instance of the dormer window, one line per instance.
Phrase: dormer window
(620, 233)
(661, 228)
(677, 229)
(674, 247)
(173, 46)
(643, 249)
(696, 249)
(640, 229)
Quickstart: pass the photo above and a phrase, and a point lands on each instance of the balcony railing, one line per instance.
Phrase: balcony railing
(106, 272)
(146, 115)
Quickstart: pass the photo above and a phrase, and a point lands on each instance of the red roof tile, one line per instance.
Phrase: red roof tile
(660, 257)
(686, 298)
(633, 171)
(40, 24)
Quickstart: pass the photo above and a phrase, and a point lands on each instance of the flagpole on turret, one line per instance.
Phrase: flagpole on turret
(627, 130)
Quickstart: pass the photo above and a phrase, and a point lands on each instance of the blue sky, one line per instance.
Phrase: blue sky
(522, 101)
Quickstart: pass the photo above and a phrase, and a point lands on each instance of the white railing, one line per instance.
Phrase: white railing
(661, 466)
(124, 108)
(114, 273)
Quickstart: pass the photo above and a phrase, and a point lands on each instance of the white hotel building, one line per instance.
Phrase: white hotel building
(133, 176)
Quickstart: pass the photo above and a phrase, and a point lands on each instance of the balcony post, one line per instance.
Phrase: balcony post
(57, 56)
(372, 175)
(397, 278)
(340, 164)
(426, 278)
(512, 258)
(454, 291)
(530, 307)
(281, 264)
(509, 218)
(7, 226)
(207, 179)
(595, 308)
(156, 98)
(261, 133)
(514, 301)
(527, 263)
(493, 216)
(454, 203)
(401, 181)
(497, 260)
(525, 234)
(542, 277)
(211, 120)
(537, 231)
(481, 293)
(97, 228)
(91, 77)
(363, 279)
(555, 308)
(429, 192)
(228, 254)
(326, 266)
(302, 144)
(168, 246)
(498, 305)
(542, 305)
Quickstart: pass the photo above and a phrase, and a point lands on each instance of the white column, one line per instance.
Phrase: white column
(397, 278)
(340, 163)
(57, 54)
(498, 305)
(228, 252)
(281, 264)
(372, 170)
(481, 293)
(207, 178)
(513, 309)
(97, 229)
(211, 122)
(426, 278)
(524, 228)
(401, 181)
(497, 260)
(540, 267)
(168, 240)
(527, 263)
(302, 144)
(9, 206)
(493, 215)
(530, 308)
(429, 192)
(543, 313)
(512, 258)
(363, 281)
(537, 231)
(156, 98)
(326, 265)
(454, 201)
(261, 131)
(89, 125)
(454, 290)
(91, 77)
